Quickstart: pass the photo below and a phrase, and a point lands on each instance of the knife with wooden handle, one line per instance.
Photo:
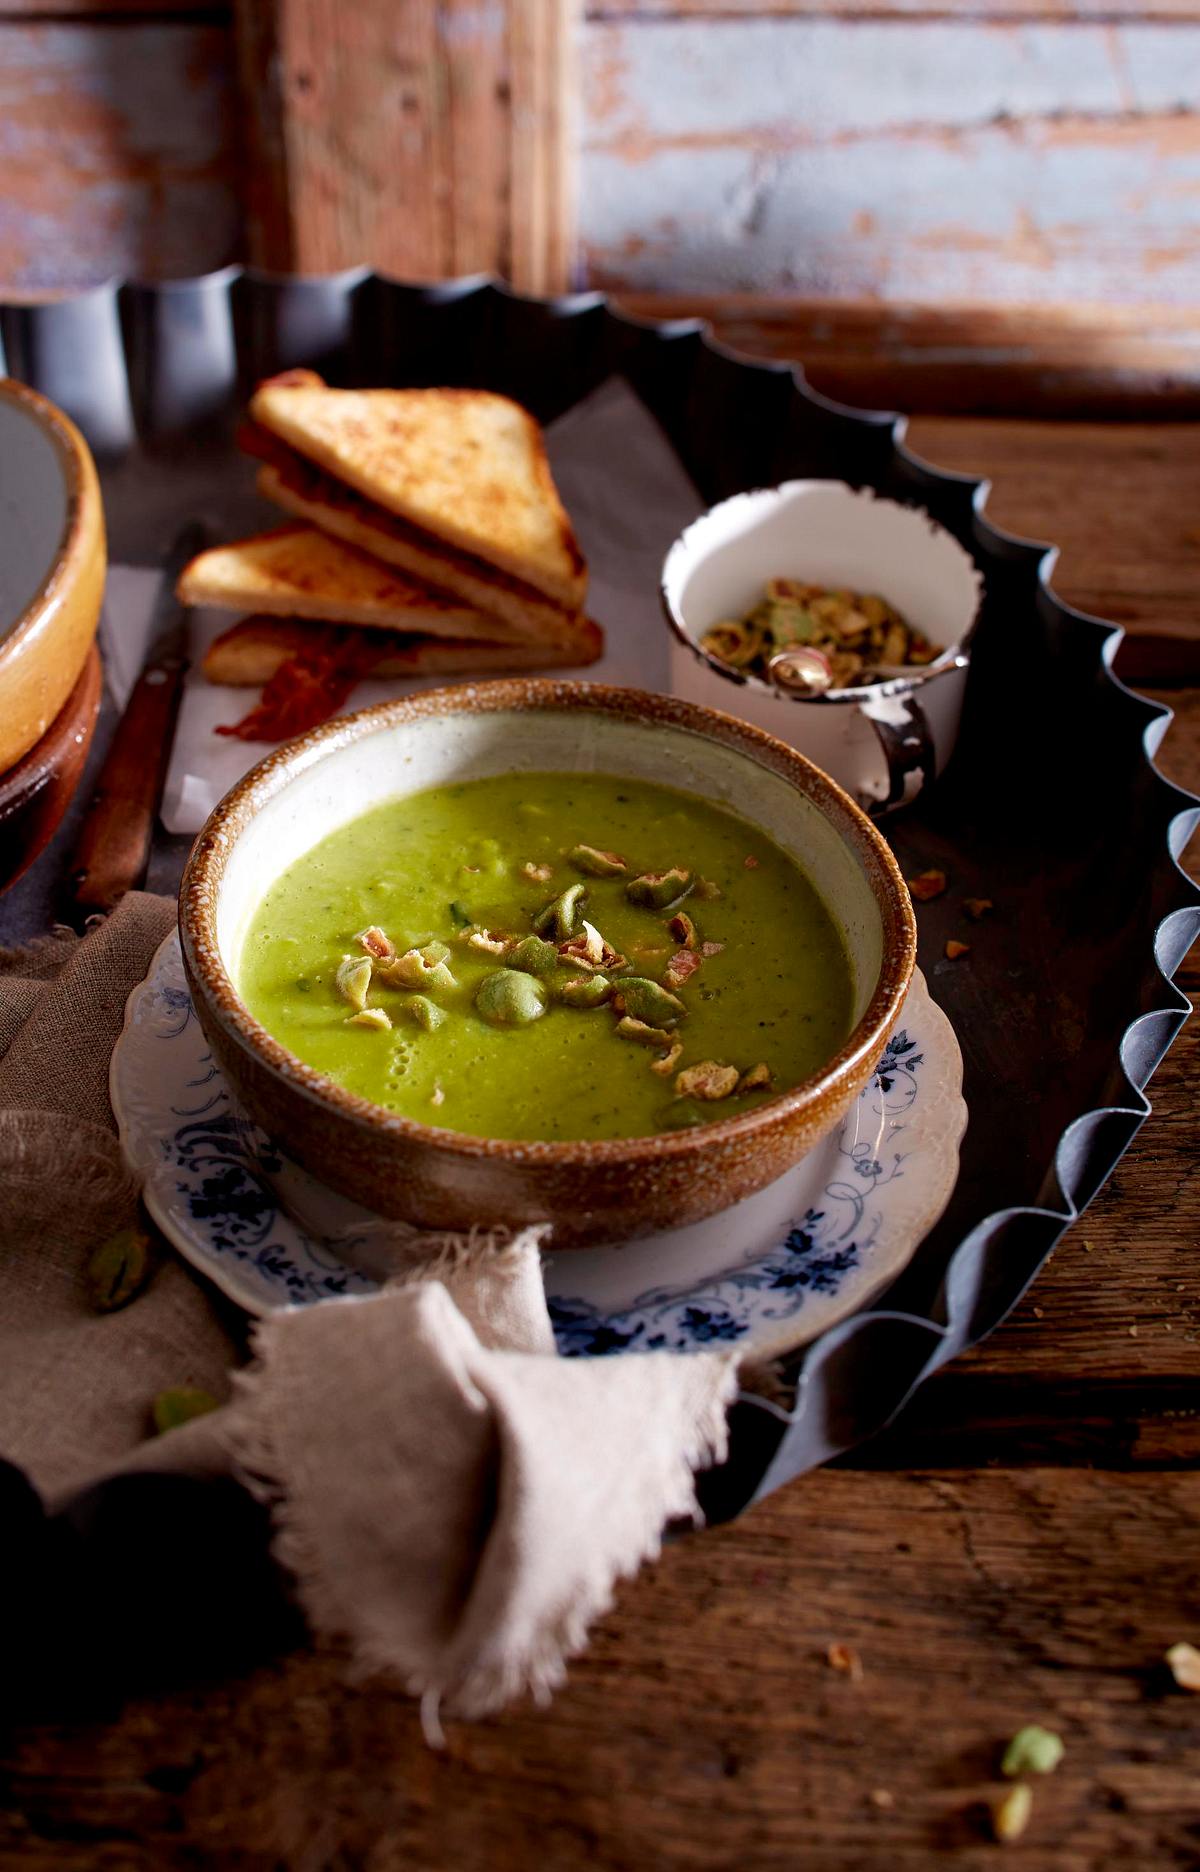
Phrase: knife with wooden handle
(113, 847)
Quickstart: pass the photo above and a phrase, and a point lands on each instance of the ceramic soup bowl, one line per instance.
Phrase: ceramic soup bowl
(588, 1191)
(883, 741)
(52, 565)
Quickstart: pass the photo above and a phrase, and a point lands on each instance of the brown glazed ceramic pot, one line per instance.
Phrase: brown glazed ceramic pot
(605, 1191)
(52, 565)
(35, 793)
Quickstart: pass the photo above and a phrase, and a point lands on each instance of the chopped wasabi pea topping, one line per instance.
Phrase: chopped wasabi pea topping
(646, 1001)
(561, 913)
(1033, 1750)
(656, 889)
(425, 1012)
(509, 999)
(593, 863)
(642, 1032)
(584, 991)
(532, 956)
(353, 979)
(179, 1405)
(418, 968)
(371, 1017)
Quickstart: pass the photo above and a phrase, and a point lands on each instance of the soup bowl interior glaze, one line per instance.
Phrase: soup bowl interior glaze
(588, 1191)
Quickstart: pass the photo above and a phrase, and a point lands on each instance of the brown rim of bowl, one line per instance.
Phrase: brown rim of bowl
(955, 656)
(67, 442)
(197, 901)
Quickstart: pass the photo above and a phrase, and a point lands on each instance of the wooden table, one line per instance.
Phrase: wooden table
(1022, 1546)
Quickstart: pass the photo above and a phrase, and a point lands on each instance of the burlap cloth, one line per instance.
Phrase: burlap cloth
(448, 1495)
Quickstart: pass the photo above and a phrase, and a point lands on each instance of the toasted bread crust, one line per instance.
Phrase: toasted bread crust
(301, 488)
(249, 653)
(466, 466)
(298, 571)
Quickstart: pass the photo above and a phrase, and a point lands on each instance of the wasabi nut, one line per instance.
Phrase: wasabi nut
(419, 968)
(585, 991)
(562, 913)
(353, 979)
(509, 999)
(118, 1269)
(656, 889)
(179, 1405)
(1033, 1750)
(532, 956)
(642, 1032)
(425, 1012)
(646, 1001)
(595, 863)
(371, 1017)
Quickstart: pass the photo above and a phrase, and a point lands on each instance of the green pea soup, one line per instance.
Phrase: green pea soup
(770, 984)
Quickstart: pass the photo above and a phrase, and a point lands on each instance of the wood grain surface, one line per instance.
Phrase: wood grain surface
(118, 147)
(1079, 361)
(426, 140)
(1005, 155)
(1022, 1546)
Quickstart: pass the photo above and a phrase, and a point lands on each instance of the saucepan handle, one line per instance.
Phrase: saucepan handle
(905, 736)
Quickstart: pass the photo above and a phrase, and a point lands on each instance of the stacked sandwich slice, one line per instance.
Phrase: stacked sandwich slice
(427, 538)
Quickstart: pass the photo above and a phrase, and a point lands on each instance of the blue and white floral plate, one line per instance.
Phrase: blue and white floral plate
(770, 1273)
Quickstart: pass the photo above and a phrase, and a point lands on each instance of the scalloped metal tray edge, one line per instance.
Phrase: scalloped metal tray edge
(135, 363)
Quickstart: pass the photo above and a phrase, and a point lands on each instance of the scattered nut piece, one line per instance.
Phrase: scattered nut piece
(758, 1079)
(1033, 1750)
(656, 890)
(1010, 1814)
(353, 979)
(437, 1096)
(510, 999)
(484, 940)
(594, 863)
(956, 949)
(682, 965)
(643, 1033)
(665, 1066)
(647, 1001)
(179, 1405)
(118, 1269)
(711, 948)
(708, 1080)
(537, 873)
(706, 890)
(370, 1017)
(374, 942)
(1183, 1662)
(844, 1658)
(977, 907)
(560, 914)
(584, 991)
(927, 885)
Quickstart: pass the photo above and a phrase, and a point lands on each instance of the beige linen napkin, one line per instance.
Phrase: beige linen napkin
(449, 1496)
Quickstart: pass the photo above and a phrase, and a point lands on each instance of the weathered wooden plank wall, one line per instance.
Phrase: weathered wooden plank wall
(117, 142)
(429, 138)
(1022, 153)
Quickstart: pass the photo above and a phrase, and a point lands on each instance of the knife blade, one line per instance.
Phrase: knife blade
(112, 850)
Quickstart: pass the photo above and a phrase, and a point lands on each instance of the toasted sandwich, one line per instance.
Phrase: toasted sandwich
(464, 471)
(324, 616)
(299, 572)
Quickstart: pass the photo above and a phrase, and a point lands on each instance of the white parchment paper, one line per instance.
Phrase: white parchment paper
(628, 496)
